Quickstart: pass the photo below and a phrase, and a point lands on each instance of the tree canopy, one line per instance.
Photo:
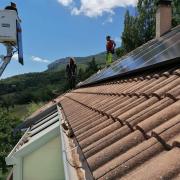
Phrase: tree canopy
(140, 28)
(7, 137)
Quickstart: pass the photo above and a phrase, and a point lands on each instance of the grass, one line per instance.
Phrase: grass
(25, 110)
(20, 111)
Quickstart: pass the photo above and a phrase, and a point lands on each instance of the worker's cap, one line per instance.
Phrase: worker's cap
(13, 4)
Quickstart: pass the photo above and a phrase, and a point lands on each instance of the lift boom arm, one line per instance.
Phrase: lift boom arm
(6, 59)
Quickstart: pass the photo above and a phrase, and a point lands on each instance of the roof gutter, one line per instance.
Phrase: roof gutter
(66, 168)
(72, 167)
(63, 147)
(10, 159)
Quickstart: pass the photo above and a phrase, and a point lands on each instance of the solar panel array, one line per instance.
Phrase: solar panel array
(155, 51)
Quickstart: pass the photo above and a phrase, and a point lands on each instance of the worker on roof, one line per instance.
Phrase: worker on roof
(11, 7)
(71, 71)
(110, 48)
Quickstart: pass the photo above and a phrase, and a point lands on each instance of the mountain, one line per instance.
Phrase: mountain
(81, 61)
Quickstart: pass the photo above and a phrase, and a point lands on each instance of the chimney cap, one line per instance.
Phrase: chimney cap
(166, 2)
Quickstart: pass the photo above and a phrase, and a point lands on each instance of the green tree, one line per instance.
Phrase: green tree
(6, 102)
(141, 28)
(92, 65)
(127, 35)
(176, 12)
(81, 74)
(120, 52)
(146, 20)
(7, 139)
(91, 68)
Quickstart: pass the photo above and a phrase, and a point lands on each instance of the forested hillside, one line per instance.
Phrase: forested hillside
(40, 87)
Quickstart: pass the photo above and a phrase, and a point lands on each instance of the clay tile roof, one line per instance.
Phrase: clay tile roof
(128, 127)
(123, 134)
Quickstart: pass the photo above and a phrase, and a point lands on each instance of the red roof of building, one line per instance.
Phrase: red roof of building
(129, 128)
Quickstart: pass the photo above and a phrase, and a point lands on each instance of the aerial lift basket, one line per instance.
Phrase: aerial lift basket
(10, 37)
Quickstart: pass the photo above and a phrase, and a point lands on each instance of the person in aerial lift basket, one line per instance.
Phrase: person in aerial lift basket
(71, 71)
(11, 7)
(110, 48)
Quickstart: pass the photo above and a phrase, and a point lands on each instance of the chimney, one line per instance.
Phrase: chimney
(163, 17)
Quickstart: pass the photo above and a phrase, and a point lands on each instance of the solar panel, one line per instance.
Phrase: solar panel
(155, 51)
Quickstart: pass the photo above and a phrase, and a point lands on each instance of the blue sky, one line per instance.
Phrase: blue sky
(54, 29)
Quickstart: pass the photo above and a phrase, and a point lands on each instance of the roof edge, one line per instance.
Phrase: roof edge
(80, 169)
(28, 148)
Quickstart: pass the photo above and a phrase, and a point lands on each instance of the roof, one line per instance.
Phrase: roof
(129, 126)
(43, 127)
(43, 130)
(126, 119)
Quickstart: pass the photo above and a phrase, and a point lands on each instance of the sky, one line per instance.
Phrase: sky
(54, 29)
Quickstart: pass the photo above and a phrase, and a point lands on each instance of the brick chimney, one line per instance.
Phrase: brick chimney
(163, 17)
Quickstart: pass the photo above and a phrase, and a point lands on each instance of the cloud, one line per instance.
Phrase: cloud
(65, 2)
(15, 57)
(38, 59)
(108, 20)
(94, 8)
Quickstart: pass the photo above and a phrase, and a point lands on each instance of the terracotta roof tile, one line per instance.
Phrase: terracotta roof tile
(149, 111)
(173, 84)
(107, 140)
(163, 166)
(174, 93)
(159, 118)
(137, 108)
(128, 106)
(167, 132)
(130, 160)
(101, 134)
(95, 129)
(177, 141)
(107, 154)
(128, 128)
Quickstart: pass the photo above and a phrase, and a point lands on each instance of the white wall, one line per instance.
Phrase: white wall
(45, 163)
